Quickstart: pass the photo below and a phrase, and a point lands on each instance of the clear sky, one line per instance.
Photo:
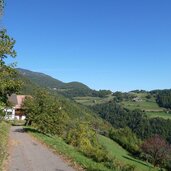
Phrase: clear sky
(106, 44)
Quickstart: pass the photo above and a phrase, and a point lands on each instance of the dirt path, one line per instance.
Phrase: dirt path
(26, 154)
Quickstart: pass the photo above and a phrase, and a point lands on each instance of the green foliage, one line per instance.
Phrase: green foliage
(48, 115)
(85, 139)
(118, 116)
(72, 153)
(52, 123)
(119, 96)
(75, 155)
(8, 75)
(164, 98)
(45, 113)
(70, 90)
(4, 130)
(136, 120)
(101, 93)
(116, 151)
(126, 138)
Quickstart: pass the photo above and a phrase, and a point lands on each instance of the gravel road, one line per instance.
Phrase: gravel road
(26, 154)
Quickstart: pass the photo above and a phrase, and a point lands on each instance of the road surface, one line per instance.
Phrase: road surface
(26, 154)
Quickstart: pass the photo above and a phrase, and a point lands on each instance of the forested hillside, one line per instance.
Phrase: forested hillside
(70, 90)
(67, 89)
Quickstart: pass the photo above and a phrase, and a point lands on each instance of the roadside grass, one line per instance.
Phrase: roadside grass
(122, 155)
(59, 146)
(4, 132)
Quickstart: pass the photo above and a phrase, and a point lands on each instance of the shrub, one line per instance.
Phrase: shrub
(81, 136)
(126, 138)
(52, 123)
(156, 150)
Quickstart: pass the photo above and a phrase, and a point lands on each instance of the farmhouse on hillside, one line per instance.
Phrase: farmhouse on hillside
(16, 111)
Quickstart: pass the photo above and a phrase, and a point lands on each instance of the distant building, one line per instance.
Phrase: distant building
(16, 111)
(137, 99)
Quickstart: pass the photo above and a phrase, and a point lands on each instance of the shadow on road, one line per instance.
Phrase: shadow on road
(20, 130)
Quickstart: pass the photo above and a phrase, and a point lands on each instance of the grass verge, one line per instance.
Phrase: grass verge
(4, 132)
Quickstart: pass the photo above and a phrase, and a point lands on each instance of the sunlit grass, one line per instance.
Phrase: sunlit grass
(122, 155)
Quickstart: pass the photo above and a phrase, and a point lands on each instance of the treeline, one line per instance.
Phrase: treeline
(163, 98)
(120, 96)
(83, 92)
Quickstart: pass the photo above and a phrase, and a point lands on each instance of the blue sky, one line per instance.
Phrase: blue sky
(106, 44)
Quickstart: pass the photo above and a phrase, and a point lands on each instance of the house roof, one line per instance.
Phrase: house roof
(16, 100)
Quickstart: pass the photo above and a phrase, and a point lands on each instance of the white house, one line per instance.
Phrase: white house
(16, 111)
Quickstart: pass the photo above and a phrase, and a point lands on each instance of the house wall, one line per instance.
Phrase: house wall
(9, 114)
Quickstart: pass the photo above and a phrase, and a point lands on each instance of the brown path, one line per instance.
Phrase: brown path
(26, 154)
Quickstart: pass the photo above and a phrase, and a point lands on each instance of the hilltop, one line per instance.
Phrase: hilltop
(46, 81)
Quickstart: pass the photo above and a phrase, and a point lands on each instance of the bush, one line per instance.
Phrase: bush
(126, 138)
(85, 140)
(52, 123)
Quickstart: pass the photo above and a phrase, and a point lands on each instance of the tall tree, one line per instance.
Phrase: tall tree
(8, 75)
(156, 150)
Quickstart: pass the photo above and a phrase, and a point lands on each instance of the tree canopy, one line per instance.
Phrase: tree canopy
(156, 150)
(8, 75)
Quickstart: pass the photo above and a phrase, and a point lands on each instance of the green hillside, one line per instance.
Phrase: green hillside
(122, 155)
(138, 101)
(114, 149)
(67, 89)
(82, 94)
(101, 112)
(74, 110)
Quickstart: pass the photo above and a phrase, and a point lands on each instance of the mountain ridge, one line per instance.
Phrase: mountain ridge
(70, 89)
